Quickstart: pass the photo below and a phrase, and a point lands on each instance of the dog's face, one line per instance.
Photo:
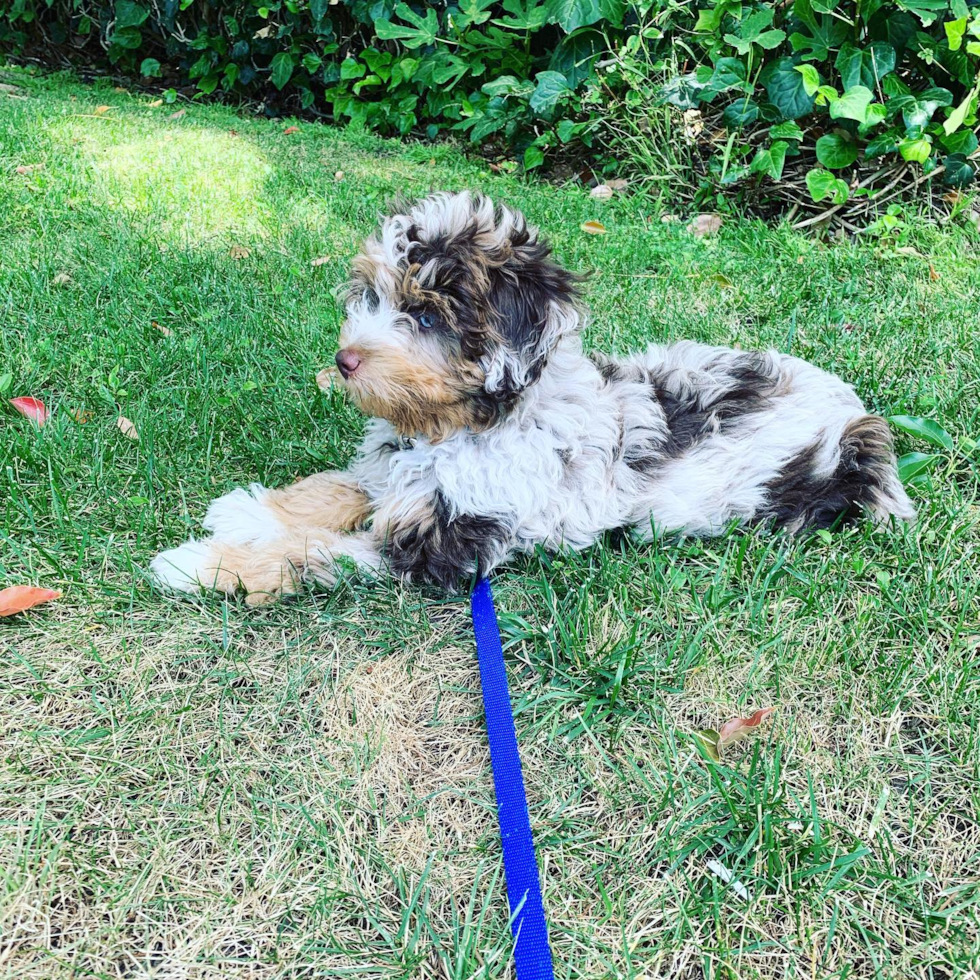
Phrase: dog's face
(452, 312)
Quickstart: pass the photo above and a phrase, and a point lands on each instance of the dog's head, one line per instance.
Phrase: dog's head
(453, 310)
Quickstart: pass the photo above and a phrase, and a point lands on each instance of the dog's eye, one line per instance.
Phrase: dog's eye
(371, 298)
(427, 321)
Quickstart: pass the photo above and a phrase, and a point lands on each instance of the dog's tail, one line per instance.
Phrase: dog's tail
(862, 480)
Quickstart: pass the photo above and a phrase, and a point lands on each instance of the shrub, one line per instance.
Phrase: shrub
(819, 86)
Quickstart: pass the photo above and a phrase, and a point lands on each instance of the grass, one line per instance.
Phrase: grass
(201, 790)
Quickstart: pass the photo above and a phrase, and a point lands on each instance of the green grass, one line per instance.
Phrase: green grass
(202, 790)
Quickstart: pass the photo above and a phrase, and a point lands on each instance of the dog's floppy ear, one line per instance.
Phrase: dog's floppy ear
(531, 307)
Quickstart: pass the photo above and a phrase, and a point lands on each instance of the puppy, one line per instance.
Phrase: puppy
(491, 432)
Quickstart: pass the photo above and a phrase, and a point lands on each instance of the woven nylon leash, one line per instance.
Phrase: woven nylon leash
(532, 954)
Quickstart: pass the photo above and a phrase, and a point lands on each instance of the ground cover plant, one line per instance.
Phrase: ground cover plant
(831, 106)
(203, 790)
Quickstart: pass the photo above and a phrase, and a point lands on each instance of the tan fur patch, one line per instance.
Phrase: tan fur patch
(325, 500)
(418, 397)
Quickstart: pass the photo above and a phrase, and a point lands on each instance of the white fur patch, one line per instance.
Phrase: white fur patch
(243, 517)
(184, 569)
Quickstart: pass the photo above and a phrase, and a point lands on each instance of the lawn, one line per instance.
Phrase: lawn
(198, 789)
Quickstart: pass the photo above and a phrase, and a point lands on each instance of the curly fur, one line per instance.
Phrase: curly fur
(492, 432)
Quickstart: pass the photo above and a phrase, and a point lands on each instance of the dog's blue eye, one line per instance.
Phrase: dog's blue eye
(426, 321)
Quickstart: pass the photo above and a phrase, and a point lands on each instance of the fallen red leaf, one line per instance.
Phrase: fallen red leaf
(739, 726)
(20, 597)
(31, 408)
(289, 130)
(933, 275)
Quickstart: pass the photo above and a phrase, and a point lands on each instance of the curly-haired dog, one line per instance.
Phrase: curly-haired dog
(492, 432)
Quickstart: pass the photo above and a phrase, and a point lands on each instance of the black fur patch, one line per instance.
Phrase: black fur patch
(799, 499)
(445, 550)
(691, 419)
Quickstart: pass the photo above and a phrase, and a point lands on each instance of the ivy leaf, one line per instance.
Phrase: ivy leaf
(282, 69)
(533, 157)
(787, 90)
(752, 30)
(918, 109)
(573, 14)
(823, 184)
(932, 432)
(959, 171)
(835, 152)
(955, 29)
(789, 130)
(853, 104)
(770, 161)
(129, 14)
(423, 30)
(150, 68)
(927, 11)
(550, 89)
(915, 151)
(811, 78)
(964, 141)
(958, 116)
(880, 145)
(865, 66)
(742, 112)
(729, 73)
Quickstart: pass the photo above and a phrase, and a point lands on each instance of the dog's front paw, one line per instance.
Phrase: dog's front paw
(188, 568)
(243, 517)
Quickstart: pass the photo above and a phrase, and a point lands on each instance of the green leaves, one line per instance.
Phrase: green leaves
(822, 185)
(959, 170)
(417, 31)
(787, 90)
(551, 87)
(753, 29)
(865, 66)
(835, 152)
(918, 109)
(770, 161)
(282, 67)
(853, 104)
(573, 14)
(932, 432)
(927, 11)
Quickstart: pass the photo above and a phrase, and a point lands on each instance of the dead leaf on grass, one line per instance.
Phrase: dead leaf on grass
(101, 110)
(61, 279)
(127, 428)
(179, 114)
(160, 328)
(155, 104)
(593, 227)
(31, 408)
(239, 252)
(289, 130)
(737, 728)
(601, 192)
(28, 168)
(705, 224)
(322, 260)
(17, 598)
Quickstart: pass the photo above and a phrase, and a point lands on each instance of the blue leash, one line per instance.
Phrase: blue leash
(532, 954)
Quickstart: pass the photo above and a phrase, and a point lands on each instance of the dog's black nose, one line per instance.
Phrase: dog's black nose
(347, 362)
